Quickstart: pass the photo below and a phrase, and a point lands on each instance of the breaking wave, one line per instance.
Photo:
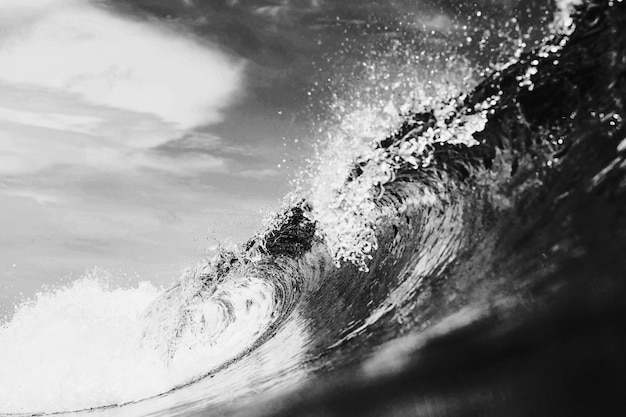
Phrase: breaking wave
(449, 203)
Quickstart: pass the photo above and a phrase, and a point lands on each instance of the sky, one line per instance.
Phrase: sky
(136, 134)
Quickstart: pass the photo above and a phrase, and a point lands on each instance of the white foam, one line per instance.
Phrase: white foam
(83, 345)
(76, 347)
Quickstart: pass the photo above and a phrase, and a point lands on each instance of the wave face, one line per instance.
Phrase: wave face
(467, 260)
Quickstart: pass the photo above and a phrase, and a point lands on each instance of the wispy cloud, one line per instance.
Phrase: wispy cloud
(260, 173)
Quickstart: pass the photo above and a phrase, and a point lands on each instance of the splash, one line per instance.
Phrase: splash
(348, 209)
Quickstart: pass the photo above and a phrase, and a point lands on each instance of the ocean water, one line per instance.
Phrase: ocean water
(454, 248)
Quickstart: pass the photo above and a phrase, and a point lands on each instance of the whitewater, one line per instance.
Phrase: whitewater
(453, 247)
(77, 347)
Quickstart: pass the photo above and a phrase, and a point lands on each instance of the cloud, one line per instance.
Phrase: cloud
(77, 134)
(81, 85)
(42, 198)
(113, 61)
(260, 173)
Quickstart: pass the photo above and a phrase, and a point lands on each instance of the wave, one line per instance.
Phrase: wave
(487, 223)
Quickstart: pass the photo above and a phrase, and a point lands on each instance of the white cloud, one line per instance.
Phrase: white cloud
(80, 85)
(117, 62)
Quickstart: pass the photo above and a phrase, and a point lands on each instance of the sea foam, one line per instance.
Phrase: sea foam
(84, 345)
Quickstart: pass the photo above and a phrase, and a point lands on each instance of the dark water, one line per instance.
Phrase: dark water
(495, 286)
(494, 280)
